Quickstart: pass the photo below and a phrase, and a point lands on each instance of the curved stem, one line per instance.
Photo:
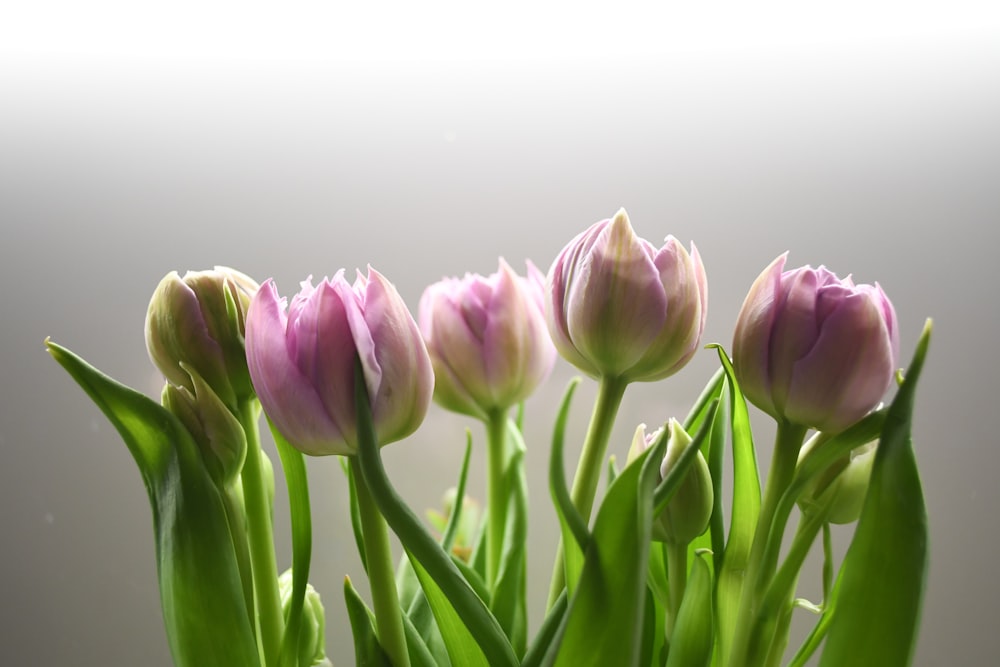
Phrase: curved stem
(496, 431)
(260, 535)
(381, 575)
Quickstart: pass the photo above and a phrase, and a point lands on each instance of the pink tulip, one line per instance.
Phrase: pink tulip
(618, 307)
(813, 349)
(487, 339)
(302, 362)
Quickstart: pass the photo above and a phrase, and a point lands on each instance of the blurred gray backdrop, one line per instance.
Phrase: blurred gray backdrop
(872, 150)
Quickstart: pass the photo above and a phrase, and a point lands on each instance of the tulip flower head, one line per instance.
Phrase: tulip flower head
(815, 350)
(688, 512)
(303, 362)
(487, 339)
(619, 307)
(199, 320)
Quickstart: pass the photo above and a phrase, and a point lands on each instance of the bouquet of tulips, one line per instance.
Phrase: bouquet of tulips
(653, 571)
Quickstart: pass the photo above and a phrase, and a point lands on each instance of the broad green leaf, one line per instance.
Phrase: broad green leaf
(694, 631)
(746, 509)
(604, 621)
(367, 652)
(204, 610)
(461, 645)
(436, 566)
(882, 578)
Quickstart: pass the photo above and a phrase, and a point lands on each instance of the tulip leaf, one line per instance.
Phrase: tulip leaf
(367, 650)
(575, 533)
(693, 638)
(605, 618)
(547, 634)
(745, 510)
(204, 609)
(881, 582)
(713, 449)
(297, 482)
(510, 593)
(437, 572)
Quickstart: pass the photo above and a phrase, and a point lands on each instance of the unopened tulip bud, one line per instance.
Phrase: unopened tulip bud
(312, 644)
(303, 362)
(198, 320)
(814, 350)
(619, 307)
(214, 428)
(487, 339)
(840, 490)
(689, 511)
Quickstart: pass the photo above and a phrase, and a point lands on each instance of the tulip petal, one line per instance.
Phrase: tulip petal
(287, 395)
(751, 348)
(616, 303)
(795, 330)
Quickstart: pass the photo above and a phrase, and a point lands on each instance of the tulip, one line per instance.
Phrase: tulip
(618, 307)
(198, 320)
(688, 512)
(487, 339)
(303, 362)
(812, 349)
(311, 641)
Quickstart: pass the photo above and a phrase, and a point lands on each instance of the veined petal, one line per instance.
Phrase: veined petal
(751, 340)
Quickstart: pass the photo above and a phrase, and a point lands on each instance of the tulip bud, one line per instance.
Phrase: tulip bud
(618, 307)
(312, 644)
(689, 511)
(214, 428)
(812, 349)
(487, 339)
(839, 490)
(303, 362)
(198, 320)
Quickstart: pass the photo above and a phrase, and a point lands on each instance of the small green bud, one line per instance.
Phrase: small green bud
(688, 512)
(312, 644)
(839, 490)
(199, 320)
(215, 430)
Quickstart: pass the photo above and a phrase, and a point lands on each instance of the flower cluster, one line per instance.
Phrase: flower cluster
(344, 368)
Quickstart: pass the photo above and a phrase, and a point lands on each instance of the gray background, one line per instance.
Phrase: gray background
(428, 143)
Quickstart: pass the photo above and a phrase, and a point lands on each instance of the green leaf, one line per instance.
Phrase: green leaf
(435, 566)
(575, 534)
(882, 578)
(461, 645)
(694, 631)
(604, 622)
(545, 638)
(510, 594)
(204, 610)
(297, 482)
(745, 510)
(367, 651)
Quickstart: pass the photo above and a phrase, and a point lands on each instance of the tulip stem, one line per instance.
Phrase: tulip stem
(610, 391)
(496, 429)
(381, 574)
(261, 539)
(787, 443)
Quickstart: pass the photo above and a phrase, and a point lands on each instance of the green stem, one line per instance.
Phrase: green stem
(496, 430)
(260, 536)
(787, 442)
(381, 574)
(610, 391)
(677, 573)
